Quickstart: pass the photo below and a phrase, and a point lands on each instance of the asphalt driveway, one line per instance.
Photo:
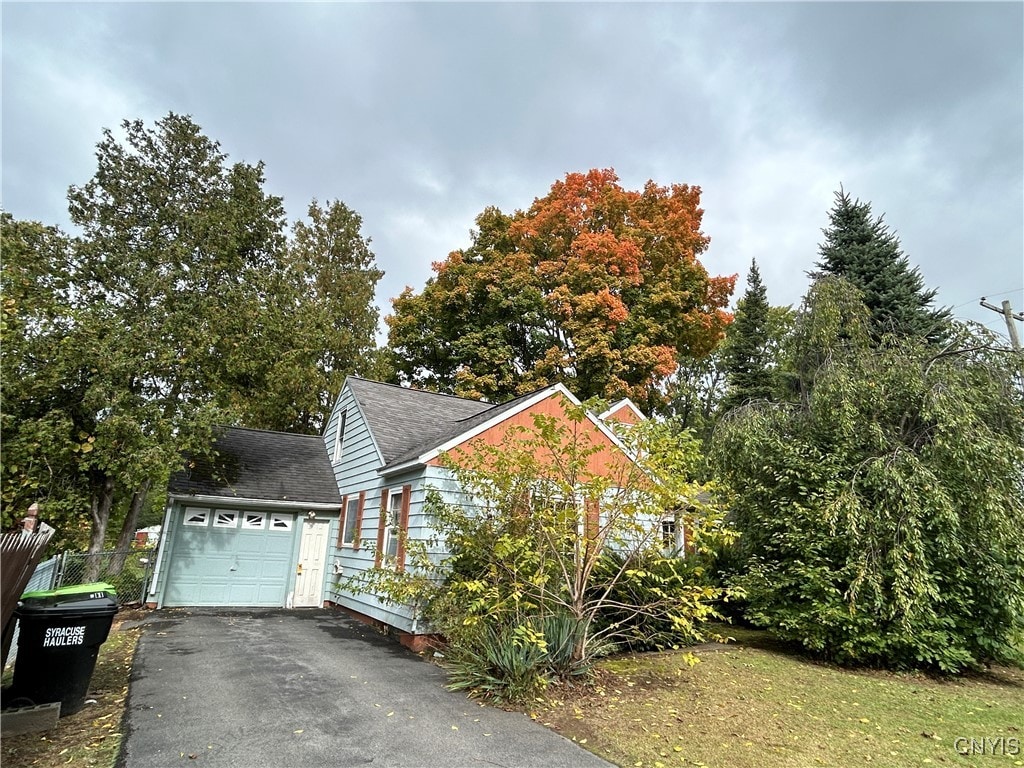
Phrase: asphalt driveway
(305, 688)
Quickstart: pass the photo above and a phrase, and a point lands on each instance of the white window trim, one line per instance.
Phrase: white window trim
(190, 511)
(232, 513)
(339, 439)
(679, 533)
(280, 517)
(392, 526)
(246, 525)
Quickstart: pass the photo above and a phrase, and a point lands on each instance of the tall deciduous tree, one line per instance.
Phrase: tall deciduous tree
(863, 250)
(880, 510)
(181, 304)
(173, 239)
(41, 448)
(594, 285)
(317, 324)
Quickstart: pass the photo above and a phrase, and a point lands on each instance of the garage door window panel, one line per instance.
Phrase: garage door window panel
(196, 517)
(254, 521)
(225, 518)
(279, 522)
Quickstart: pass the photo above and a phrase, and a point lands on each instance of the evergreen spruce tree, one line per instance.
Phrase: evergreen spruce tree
(746, 355)
(863, 250)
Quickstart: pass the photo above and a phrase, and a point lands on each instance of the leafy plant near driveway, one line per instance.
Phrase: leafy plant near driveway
(549, 562)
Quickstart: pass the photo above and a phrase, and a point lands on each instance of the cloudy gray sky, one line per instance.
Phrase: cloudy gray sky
(418, 116)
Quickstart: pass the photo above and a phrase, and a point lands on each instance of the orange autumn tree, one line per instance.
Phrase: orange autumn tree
(594, 286)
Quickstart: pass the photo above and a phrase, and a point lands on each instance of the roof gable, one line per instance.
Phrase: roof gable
(624, 412)
(411, 426)
(401, 420)
(261, 465)
(609, 457)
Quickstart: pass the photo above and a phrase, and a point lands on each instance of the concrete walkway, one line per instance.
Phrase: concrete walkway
(309, 687)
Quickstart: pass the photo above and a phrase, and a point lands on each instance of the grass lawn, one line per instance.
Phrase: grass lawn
(756, 704)
(91, 736)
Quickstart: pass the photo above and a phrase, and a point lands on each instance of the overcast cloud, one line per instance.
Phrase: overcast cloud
(418, 116)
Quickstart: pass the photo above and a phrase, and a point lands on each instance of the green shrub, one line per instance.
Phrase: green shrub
(677, 597)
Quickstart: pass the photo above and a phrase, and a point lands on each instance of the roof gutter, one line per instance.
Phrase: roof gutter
(199, 498)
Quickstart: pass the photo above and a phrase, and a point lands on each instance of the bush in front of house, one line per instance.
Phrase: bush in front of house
(526, 589)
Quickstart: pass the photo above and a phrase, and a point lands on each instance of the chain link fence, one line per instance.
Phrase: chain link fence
(128, 571)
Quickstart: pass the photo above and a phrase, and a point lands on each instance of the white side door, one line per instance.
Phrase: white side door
(309, 573)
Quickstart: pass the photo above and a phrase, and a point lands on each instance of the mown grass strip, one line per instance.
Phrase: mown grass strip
(746, 706)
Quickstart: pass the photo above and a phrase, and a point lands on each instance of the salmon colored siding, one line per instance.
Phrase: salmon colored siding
(624, 415)
(608, 461)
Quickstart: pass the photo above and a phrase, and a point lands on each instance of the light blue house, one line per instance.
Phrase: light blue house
(287, 520)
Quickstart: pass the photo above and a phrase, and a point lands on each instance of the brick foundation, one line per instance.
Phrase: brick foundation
(416, 643)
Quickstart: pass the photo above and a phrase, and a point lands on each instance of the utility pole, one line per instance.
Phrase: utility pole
(1008, 313)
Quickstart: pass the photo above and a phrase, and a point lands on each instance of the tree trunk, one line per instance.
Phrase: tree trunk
(99, 510)
(131, 521)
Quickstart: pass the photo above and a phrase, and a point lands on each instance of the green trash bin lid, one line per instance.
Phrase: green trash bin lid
(73, 594)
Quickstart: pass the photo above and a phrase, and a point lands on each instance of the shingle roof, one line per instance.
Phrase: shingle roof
(409, 422)
(270, 466)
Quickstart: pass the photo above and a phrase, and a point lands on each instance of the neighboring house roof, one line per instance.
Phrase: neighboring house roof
(625, 412)
(268, 466)
(410, 424)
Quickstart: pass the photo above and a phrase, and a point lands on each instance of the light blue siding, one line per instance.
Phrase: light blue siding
(358, 471)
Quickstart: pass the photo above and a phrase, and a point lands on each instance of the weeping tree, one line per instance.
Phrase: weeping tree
(880, 508)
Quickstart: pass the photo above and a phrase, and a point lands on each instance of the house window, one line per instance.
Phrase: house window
(280, 522)
(197, 517)
(339, 437)
(392, 524)
(672, 535)
(225, 518)
(668, 533)
(350, 523)
(392, 531)
(254, 521)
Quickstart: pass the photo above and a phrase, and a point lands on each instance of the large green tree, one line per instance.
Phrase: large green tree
(862, 249)
(880, 508)
(180, 304)
(316, 324)
(40, 447)
(747, 355)
(594, 285)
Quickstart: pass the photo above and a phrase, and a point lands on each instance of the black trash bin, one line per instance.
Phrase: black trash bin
(60, 636)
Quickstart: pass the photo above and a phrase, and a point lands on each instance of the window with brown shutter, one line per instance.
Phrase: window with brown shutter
(381, 528)
(341, 522)
(403, 527)
(359, 521)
